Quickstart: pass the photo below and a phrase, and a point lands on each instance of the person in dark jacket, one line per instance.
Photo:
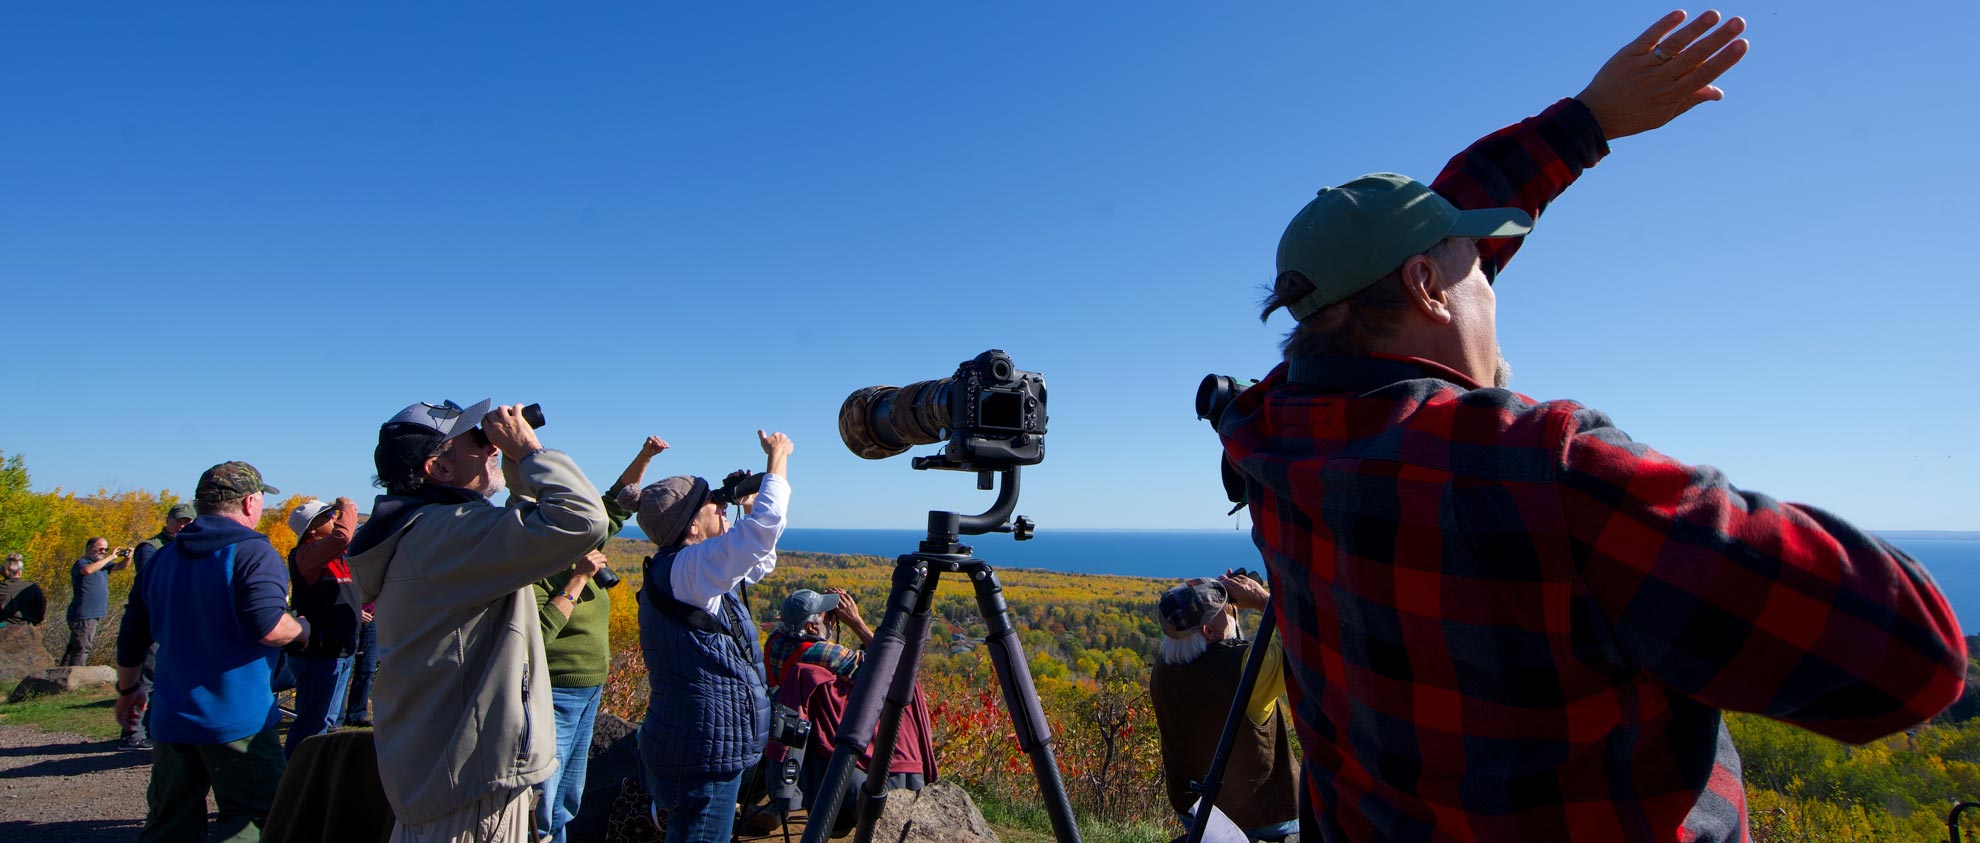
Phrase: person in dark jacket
(324, 594)
(709, 712)
(215, 601)
(20, 601)
(1200, 660)
(181, 514)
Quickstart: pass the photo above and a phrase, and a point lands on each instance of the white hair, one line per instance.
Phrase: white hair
(13, 565)
(1183, 650)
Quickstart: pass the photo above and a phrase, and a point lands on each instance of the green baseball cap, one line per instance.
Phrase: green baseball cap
(230, 481)
(1351, 236)
(181, 510)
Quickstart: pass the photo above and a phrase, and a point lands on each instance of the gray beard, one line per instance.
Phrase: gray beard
(1502, 376)
(497, 483)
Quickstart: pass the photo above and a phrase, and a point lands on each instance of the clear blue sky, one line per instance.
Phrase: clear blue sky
(255, 232)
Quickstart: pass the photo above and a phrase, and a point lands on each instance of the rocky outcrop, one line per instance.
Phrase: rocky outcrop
(21, 653)
(940, 813)
(61, 680)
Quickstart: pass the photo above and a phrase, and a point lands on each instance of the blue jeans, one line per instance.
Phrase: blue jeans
(698, 808)
(558, 796)
(357, 706)
(320, 686)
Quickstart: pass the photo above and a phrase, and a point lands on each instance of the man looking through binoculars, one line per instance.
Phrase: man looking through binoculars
(463, 709)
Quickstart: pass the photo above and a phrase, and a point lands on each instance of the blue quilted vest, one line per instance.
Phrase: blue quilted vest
(708, 712)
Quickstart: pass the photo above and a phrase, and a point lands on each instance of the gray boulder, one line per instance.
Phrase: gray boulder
(940, 813)
(21, 653)
(61, 680)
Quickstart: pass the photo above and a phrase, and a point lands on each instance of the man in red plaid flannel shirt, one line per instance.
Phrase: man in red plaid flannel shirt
(1504, 620)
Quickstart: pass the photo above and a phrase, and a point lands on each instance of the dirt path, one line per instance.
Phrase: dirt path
(57, 787)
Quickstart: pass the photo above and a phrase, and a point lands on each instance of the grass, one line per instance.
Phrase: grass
(88, 713)
(1028, 823)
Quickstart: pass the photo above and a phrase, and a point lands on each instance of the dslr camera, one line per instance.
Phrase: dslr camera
(991, 413)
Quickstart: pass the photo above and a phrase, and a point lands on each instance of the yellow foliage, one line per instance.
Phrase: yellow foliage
(275, 523)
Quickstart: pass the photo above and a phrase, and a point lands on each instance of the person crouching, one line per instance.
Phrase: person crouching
(708, 713)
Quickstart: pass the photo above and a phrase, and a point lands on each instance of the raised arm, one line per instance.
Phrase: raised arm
(636, 469)
(313, 557)
(706, 570)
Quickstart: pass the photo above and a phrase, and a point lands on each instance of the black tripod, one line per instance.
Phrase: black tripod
(902, 632)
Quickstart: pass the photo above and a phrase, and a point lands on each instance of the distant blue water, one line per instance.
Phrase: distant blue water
(1177, 554)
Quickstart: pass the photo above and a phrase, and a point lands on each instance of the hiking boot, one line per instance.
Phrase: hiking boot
(135, 743)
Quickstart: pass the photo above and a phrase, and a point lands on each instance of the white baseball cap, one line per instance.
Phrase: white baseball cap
(299, 520)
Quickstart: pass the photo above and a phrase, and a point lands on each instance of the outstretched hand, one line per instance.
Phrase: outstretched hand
(1663, 73)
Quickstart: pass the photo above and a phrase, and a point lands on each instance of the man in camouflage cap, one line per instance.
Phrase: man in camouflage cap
(215, 601)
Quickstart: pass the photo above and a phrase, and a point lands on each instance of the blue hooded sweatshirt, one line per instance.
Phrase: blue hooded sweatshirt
(207, 599)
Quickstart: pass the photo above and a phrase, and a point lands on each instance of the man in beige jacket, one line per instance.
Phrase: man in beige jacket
(462, 707)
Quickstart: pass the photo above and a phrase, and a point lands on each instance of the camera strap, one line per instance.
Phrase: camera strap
(790, 667)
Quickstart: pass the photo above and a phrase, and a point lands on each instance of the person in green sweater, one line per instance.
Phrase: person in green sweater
(576, 615)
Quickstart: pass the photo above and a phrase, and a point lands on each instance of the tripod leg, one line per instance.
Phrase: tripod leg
(899, 694)
(1021, 700)
(883, 657)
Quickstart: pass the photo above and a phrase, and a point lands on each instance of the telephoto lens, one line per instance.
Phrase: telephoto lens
(880, 421)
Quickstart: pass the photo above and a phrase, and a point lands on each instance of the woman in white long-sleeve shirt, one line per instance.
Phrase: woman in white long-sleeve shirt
(708, 710)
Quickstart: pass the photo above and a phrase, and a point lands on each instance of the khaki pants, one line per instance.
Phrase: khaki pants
(496, 818)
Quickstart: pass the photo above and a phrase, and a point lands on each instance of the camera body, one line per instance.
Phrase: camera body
(991, 412)
(788, 727)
